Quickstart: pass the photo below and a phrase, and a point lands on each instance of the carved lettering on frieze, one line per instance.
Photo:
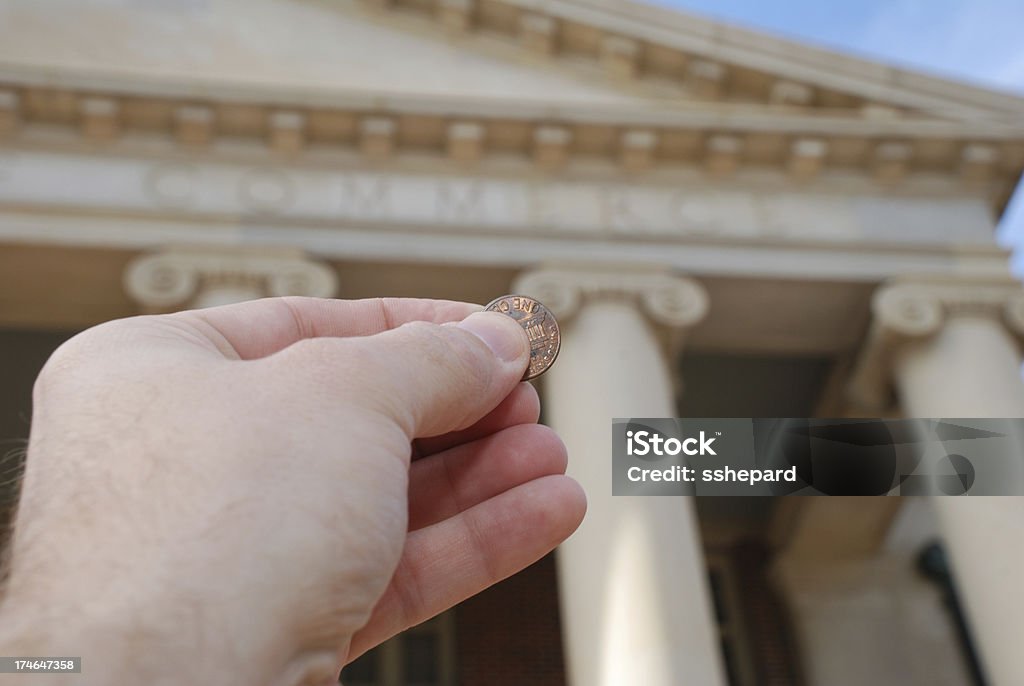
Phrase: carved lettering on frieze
(460, 201)
(579, 206)
(267, 191)
(365, 197)
(694, 215)
(171, 184)
(617, 212)
(540, 211)
(770, 218)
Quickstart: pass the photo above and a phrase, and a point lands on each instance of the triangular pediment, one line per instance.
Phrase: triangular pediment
(321, 47)
(558, 52)
(757, 67)
(672, 55)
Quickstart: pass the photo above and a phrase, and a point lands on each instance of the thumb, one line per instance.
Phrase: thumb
(436, 378)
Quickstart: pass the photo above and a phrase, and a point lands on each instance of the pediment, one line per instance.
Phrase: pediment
(669, 55)
(555, 52)
(293, 47)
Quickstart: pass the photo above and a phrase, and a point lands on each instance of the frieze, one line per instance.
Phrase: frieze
(489, 204)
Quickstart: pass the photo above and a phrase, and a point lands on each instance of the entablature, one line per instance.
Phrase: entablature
(721, 140)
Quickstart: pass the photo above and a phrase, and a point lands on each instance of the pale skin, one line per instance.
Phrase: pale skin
(259, 493)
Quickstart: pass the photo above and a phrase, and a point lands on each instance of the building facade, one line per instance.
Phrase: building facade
(725, 223)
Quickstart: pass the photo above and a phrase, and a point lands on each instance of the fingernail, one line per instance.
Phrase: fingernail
(501, 333)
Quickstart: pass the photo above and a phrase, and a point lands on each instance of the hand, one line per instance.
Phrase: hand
(227, 496)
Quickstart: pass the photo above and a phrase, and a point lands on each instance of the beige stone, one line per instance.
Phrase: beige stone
(100, 117)
(551, 146)
(377, 137)
(638, 149)
(807, 157)
(620, 56)
(891, 162)
(706, 78)
(287, 131)
(465, 141)
(10, 115)
(791, 93)
(978, 163)
(722, 154)
(538, 32)
(194, 124)
(456, 15)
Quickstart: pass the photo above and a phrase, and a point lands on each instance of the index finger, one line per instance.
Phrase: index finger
(258, 328)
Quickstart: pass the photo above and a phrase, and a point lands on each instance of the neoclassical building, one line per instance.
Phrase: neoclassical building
(725, 223)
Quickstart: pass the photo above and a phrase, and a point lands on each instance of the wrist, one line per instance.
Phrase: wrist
(142, 640)
(138, 603)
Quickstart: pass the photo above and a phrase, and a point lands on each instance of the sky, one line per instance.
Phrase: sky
(975, 40)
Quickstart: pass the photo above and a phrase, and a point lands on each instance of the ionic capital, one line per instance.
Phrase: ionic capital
(669, 300)
(183, 277)
(920, 308)
(904, 311)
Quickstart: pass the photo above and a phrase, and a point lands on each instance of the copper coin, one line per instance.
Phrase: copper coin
(540, 326)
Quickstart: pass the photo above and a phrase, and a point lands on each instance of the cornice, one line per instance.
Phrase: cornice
(662, 112)
(720, 136)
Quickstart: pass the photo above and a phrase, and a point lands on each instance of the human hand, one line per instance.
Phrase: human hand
(226, 495)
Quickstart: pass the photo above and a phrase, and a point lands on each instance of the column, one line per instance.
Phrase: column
(951, 349)
(632, 580)
(183, 278)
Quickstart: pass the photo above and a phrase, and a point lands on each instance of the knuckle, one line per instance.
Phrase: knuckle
(471, 359)
(464, 358)
(408, 585)
(311, 361)
(439, 364)
(52, 373)
(551, 441)
(71, 356)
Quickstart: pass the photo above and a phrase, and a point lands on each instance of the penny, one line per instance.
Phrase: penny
(540, 326)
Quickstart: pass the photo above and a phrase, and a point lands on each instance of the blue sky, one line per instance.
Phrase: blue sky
(975, 40)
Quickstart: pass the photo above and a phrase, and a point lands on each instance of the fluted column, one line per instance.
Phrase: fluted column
(632, 580)
(950, 349)
(181, 278)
